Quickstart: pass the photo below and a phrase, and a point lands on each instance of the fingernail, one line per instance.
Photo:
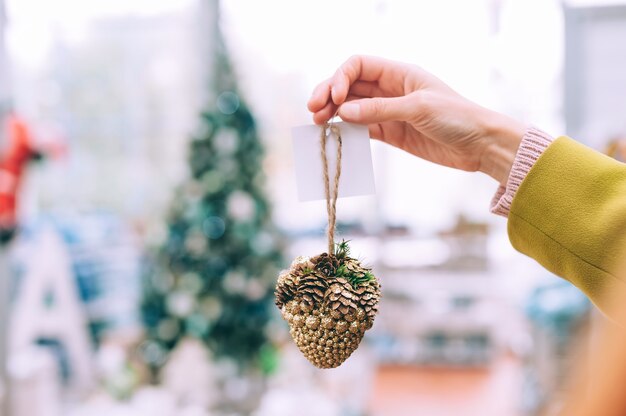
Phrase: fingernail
(350, 111)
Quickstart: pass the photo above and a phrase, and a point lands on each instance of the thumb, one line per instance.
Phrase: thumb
(376, 110)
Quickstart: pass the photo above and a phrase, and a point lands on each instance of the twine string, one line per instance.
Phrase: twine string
(330, 129)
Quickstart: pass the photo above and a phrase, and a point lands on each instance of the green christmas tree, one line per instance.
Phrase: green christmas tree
(214, 277)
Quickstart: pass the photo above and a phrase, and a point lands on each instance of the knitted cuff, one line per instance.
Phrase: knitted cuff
(534, 143)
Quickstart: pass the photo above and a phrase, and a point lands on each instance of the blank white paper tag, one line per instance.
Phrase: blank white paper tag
(357, 172)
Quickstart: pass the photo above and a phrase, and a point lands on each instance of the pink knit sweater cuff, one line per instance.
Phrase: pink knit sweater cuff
(533, 144)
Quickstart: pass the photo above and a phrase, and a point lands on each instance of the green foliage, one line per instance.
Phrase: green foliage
(357, 280)
(355, 275)
(342, 250)
(342, 271)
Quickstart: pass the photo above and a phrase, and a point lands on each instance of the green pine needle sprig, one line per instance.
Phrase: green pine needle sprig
(342, 252)
(357, 281)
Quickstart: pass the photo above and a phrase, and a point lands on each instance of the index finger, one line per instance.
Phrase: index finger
(320, 96)
(364, 68)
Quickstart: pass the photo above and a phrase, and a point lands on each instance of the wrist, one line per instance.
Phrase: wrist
(503, 137)
(534, 143)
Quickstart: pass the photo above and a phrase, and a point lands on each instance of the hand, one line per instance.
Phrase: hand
(411, 109)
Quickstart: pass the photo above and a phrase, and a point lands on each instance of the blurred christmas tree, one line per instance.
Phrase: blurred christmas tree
(215, 274)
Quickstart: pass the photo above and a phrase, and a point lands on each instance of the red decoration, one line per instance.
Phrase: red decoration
(14, 154)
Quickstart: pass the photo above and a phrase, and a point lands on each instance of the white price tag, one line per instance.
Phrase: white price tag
(357, 171)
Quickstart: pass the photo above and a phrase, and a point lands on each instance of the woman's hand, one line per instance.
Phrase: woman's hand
(409, 108)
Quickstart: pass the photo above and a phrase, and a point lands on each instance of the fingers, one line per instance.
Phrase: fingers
(320, 96)
(323, 115)
(330, 109)
(359, 76)
(364, 68)
(378, 109)
(366, 89)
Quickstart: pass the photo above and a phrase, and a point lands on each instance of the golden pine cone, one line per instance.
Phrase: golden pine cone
(285, 288)
(328, 314)
(326, 264)
(288, 280)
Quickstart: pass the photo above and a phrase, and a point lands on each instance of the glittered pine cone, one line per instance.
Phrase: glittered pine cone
(326, 264)
(328, 311)
(285, 288)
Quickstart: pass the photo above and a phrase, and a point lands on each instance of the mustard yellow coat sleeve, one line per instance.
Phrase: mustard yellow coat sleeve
(569, 214)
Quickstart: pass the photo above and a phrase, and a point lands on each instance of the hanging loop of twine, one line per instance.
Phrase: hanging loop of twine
(327, 130)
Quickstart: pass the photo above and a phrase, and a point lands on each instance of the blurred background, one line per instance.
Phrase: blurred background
(140, 251)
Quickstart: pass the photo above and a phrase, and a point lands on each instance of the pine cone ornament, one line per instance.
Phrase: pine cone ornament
(329, 302)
